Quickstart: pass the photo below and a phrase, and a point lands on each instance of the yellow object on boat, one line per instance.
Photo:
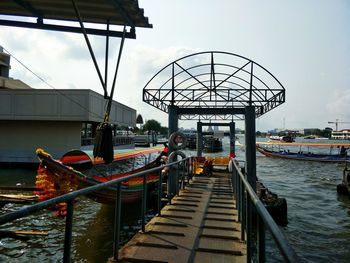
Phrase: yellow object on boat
(219, 160)
(199, 170)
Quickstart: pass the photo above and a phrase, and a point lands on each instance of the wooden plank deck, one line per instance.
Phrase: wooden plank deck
(200, 225)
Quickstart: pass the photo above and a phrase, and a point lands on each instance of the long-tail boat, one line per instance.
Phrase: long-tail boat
(322, 152)
(57, 177)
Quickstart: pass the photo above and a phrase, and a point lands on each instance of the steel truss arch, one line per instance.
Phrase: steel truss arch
(221, 81)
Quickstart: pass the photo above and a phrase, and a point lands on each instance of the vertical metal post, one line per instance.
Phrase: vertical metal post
(199, 141)
(172, 120)
(173, 127)
(233, 185)
(117, 212)
(243, 211)
(232, 139)
(238, 198)
(186, 172)
(250, 157)
(68, 232)
(235, 192)
(261, 240)
(177, 177)
(249, 228)
(183, 172)
(160, 192)
(250, 145)
(106, 59)
(144, 202)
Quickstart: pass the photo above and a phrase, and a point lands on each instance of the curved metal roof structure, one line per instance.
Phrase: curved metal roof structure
(214, 85)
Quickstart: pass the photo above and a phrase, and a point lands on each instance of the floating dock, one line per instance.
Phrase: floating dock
(199, 225)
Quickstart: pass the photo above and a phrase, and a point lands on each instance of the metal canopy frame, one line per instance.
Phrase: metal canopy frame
(59, 15)
(214, 85)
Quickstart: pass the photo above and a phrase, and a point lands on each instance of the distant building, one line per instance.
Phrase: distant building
(55, 120)
(5, 81)
(341, 135)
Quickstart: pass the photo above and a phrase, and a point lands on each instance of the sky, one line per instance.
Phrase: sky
(304, 44)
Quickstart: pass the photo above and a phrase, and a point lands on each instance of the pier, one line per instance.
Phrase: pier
(210, 219)
(200, 224)
(216, 218)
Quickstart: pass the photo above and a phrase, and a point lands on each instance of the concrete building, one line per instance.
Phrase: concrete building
(55, 120)
(341, 135)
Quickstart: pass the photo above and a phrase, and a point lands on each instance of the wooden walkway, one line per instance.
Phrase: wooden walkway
(200, 225)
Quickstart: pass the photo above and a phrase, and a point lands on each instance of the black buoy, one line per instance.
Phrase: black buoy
(103, 146)
(342, 189)
(276, 206)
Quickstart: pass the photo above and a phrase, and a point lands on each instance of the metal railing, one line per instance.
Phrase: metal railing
(255, 219)
(252, 214)
(116, 183)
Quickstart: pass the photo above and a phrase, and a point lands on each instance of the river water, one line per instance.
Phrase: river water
(318, 228)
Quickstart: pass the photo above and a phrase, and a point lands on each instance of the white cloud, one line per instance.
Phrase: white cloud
(309, 55)
(338, 106)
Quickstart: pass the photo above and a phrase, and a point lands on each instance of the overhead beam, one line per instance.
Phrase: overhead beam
(211, 111)
(70, 29)
(215, 124)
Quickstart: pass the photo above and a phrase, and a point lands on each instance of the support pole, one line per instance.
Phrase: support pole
(250, 158)
(250, 142)
(68, 232)
(232, 139)
(199, 139)
(173, 121)
(89, 46)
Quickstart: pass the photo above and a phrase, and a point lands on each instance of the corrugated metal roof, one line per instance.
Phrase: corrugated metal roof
(118, 12)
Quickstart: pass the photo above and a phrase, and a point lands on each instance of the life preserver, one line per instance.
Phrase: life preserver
(174, 140)
(230, 166)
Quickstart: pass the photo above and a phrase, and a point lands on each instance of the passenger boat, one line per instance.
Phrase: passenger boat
(76, 170)
(322, 152)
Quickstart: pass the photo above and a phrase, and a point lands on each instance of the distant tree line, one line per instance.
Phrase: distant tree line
(152, 125)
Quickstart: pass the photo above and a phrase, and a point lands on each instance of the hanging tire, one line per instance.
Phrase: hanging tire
(173, 140)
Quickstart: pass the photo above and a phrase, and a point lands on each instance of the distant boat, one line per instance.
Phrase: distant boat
(238, 143)
(314, 137)
(322, 152)
(285, 138)
(212, 144)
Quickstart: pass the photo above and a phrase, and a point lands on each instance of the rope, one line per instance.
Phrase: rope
(49, 85)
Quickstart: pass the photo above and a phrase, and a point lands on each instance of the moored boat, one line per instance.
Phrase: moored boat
(55, 177)
(321, 152)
